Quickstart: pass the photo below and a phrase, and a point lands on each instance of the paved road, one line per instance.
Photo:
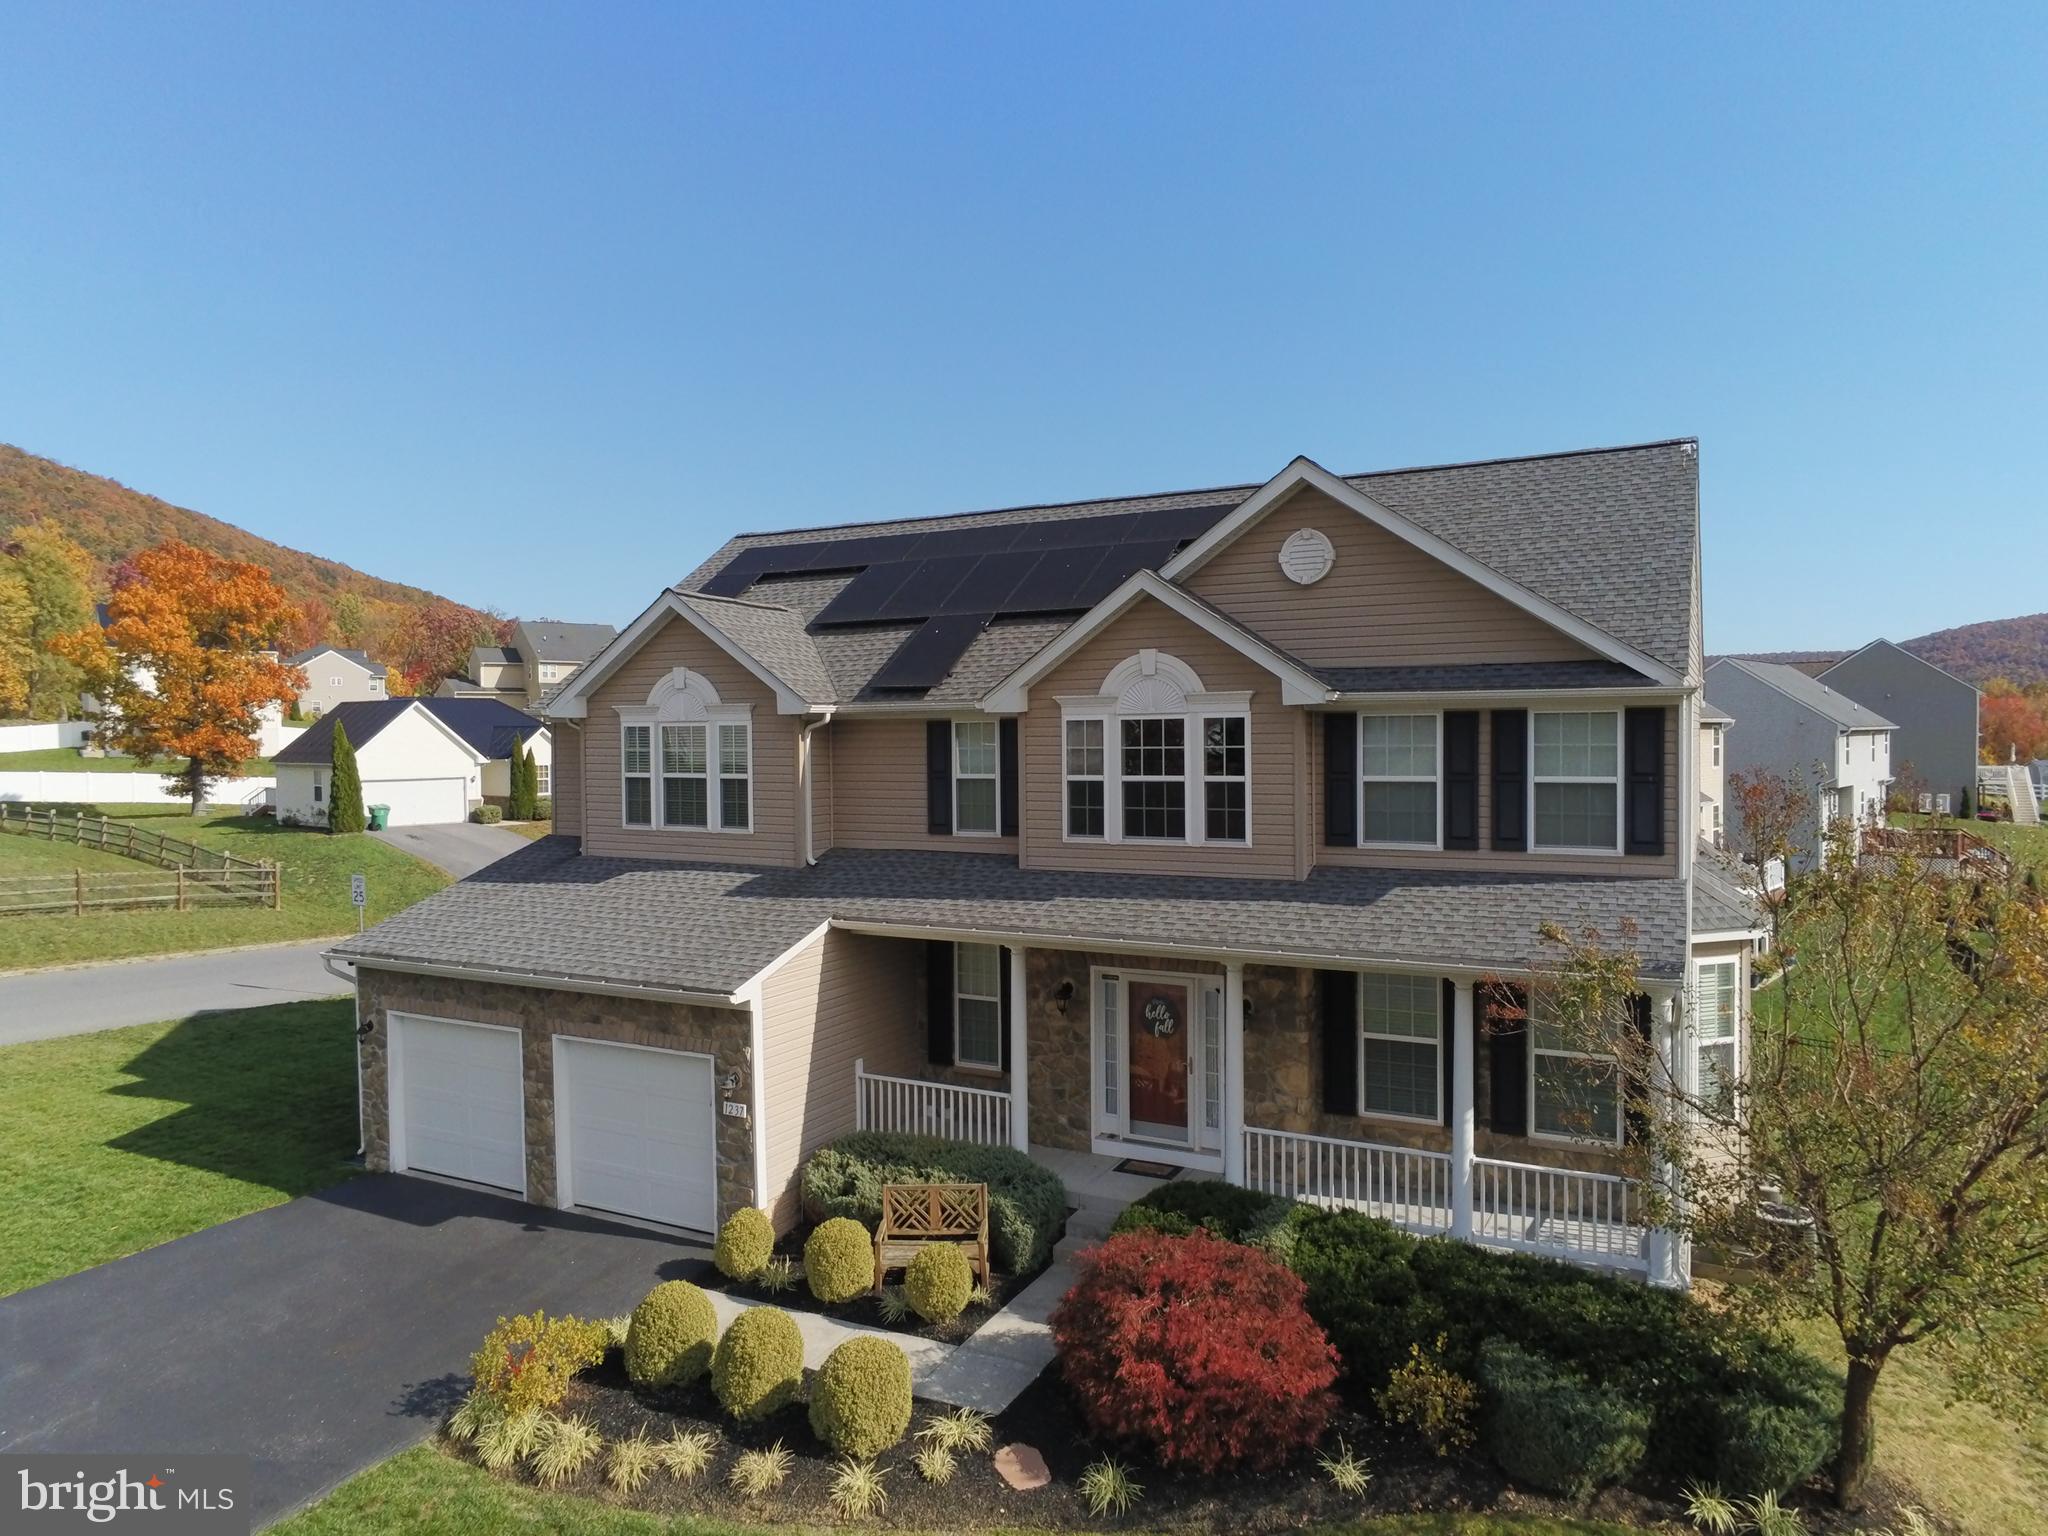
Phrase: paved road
(460, 847)
(318, 1337)
(40, 1005)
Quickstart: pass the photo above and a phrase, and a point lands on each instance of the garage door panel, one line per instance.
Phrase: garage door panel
(640, 1131)
(419, 802)
(460, 1099)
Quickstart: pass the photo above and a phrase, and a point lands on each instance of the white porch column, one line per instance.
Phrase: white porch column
(1233, 1072)
(1668, 1254)
(1464, 1069)
(1020, 1055)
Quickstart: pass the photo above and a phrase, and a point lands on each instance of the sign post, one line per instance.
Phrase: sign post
(359, 894)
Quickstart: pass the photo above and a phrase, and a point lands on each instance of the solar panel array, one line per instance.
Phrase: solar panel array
(957, 580)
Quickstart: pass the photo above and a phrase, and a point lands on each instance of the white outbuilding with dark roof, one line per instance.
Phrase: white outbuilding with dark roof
(430, 760)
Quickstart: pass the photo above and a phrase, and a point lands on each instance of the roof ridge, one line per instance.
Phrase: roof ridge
(699, 594)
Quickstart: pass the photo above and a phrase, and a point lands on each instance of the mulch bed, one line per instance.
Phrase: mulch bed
(866, 1309)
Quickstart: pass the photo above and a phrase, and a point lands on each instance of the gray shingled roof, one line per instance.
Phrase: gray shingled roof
(1483, 675)
(554, 641)
(1724, 898)
(1813, 693)
(548, 911)
(1606, 534)
(773, 636)
(1713, 714)
(360, 658)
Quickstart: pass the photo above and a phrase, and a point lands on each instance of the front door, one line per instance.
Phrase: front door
(1161, 1060)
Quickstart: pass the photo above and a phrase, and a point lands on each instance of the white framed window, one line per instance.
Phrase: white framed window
(1400, 1056)
(636, 765)
(978, 1006)
(976, 811)
(1717, 746)
(334, 682)
(1085, 778)
(685, 777)
(1153, 757)
(1399, 795)
(1717, 824)
(1574, 1094)
(1575, 780)
(319, 790)
(735, 777)
(542, 779)
(1717, 989)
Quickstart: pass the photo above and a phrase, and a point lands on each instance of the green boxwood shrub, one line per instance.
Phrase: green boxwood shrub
(938, 1282)
(1027, 1204)
(484, 815)
(1551, 1429)
(860, 1401)
(745, 1244)
(1765, 1446)
(758, 1366)
(1265, 1222)
(669, 1341)
(544, 808)
(839, 1260)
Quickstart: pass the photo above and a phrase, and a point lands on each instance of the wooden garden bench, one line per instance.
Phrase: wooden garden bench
(917, 1215)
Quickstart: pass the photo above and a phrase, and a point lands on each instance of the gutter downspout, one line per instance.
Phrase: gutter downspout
(810, 817)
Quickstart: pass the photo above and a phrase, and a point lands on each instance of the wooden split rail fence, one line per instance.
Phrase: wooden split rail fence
(186, 875)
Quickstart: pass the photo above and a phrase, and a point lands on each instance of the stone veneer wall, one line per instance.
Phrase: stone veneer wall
(539, 1015)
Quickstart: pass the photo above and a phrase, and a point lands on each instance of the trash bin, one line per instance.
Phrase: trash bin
(380, 817)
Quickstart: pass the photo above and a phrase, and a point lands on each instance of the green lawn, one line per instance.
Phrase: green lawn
(532, 831)
(427, 1493)
(316, 892)
(68, 760)
(117, 1141)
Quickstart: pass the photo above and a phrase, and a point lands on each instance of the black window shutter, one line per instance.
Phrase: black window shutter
(1635, 1117)
(1507, 1060)
(1006, 774)
(1339, 991)
(1448, 1036)
(938, 996)
(1511, 780)
(1340, 781)
(1003, 980)
(1644, 737)
(938, 777)
(1461, 778)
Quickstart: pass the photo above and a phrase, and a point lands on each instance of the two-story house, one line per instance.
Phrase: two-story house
(538, 661)
(1213, 829)
(1935, 747)
(337, 676)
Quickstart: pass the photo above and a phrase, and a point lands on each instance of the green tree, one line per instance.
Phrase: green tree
(344, 785)
(17, 648)
(59, 577)
(525, 782)
(350, 619)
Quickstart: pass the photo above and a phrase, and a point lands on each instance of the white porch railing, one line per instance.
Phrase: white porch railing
(917, 1107)
(1592, 1218)
(1398, 1184)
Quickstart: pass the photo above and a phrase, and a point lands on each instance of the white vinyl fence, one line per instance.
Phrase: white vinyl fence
(125, 789)
(42, 735)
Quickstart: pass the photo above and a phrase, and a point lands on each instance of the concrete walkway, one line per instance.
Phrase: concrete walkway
(80, 1000)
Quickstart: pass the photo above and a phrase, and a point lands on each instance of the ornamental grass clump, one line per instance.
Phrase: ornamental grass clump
(858, 1492)
(1200, 1348)
(755, 1474)
(671, 1336)
(839, 1260)
(630, 1462)
(563, 1448)
(686, 1453)
(758, 1366)
(860, 1400)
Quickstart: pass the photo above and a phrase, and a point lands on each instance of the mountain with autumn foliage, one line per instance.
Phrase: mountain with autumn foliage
(2013, 649)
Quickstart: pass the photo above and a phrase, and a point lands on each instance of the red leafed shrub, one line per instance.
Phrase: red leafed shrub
(1201, 1348)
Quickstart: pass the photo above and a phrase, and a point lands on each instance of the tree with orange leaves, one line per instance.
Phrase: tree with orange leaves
(182, 662)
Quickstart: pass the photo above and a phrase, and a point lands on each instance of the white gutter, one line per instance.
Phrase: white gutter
(810, 787)
(544, 981)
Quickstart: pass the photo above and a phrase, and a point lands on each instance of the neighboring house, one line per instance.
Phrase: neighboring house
(336, 676)
(1935, 749)
(1213, 828)
(541, 658)
(1794, 725)
(430, 760)
(1714, 726)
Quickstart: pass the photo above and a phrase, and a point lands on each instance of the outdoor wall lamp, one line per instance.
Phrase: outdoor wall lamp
(1063, 994)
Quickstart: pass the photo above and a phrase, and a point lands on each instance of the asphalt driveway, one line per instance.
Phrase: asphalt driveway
(459, 847)
(318, 1337)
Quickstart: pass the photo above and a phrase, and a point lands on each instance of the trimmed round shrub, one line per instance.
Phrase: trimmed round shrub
(486, 814)
(669, 1341)
(860, 1399)
(1027, 1204)
(839, 1260)
(758, 1366)
(1765, 1447)
(1551, 1429)
(938, 1282)
(1201, 1348)
(745, 1244)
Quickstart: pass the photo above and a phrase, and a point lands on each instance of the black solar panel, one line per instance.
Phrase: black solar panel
(1050, 584)
(924, 591)
(985, 587)
(924, 659)
(859, 599)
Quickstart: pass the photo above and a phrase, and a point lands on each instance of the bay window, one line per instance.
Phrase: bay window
(978, 1006)
(1575, 780)
(1398, 793)
(1400, 1045)
(974, 777)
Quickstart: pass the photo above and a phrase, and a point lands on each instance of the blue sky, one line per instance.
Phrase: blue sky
(533, 305)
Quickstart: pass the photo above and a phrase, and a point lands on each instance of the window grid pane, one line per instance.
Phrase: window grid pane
(974, 805)
(1398, 766)
(980, 1034)
(1084, 748)
(1155, 808)
(639, 802)
(732, 751)
(1084, 808)
(1576, 815)
(1401, 1078)
(684, 803)
(682, 749)
(1400, 813)
(637, 748)
(732, 803)
(1223, 812)
(1399, 746)
(1154, 778)
(1577, 1096)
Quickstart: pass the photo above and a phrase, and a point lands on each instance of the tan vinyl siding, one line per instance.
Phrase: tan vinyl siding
(1274, 740)
(1484, 858)
(1384, 602)
(774, 839)
(567, 773)
(878, 788)
(843, 997)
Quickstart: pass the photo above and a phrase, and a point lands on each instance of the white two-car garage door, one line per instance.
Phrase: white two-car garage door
(636, 1132)
(420, 802)
(455, 1100)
